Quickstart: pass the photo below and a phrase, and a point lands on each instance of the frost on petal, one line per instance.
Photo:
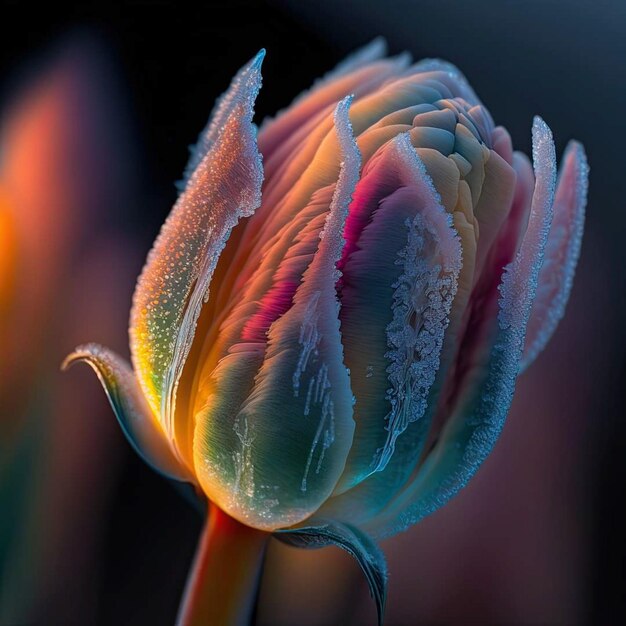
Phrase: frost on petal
(562, 252)
(221, 111)
(225, 186)
(400, 269)
(138, 424)
(476, 422)
(290, 437)
(422, 299)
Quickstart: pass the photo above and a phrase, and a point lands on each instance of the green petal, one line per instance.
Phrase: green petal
(129, 405)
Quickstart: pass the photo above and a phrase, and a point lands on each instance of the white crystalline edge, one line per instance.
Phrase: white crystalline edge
(180, 344)
(220, 112)
(415, 352)
(518, 288)
(565, 273)
(242, 459)
(214, 247)
(494, 401)
(329, 253)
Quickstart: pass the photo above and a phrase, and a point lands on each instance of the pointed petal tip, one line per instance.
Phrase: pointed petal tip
(343, 106)
(562, 252)
(258, 59)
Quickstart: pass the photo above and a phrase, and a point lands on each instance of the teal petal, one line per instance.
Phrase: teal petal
(399, 282)
(475, 423)
(272, 440)
(356, 543)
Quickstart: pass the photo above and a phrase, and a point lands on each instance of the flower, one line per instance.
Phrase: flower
(328, 330)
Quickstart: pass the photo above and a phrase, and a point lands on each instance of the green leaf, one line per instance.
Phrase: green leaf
(356, 543)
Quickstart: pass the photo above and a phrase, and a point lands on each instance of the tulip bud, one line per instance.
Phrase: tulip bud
(334, 332)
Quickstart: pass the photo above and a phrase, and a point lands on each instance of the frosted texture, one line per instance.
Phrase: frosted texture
(221, 111)
(295, 427)
(562, 252)
(225, 186)
(421, 305)
(474, 427)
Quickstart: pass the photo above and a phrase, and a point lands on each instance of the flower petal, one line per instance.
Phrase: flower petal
(562, 252)
(223, 108)
(225, 186)
(458, 83)
(476, 421)
(361, 73)
(401, 265)
(138, 424)
(273, 459)
(368, 555)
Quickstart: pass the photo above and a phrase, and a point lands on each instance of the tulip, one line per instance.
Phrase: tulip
(327, 333)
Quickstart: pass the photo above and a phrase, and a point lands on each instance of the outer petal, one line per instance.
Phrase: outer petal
(131, 409)
(401, 265)
(222, 110)
(562, 252)
(273, 460)
(475, 423)
(225, 186)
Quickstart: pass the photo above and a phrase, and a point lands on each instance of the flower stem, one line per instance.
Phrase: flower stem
(224, 579)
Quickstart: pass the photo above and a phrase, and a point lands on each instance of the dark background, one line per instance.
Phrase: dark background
(564, 60)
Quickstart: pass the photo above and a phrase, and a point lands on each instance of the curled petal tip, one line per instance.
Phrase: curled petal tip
(130, 408)
(70, 360)
(84, 353)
